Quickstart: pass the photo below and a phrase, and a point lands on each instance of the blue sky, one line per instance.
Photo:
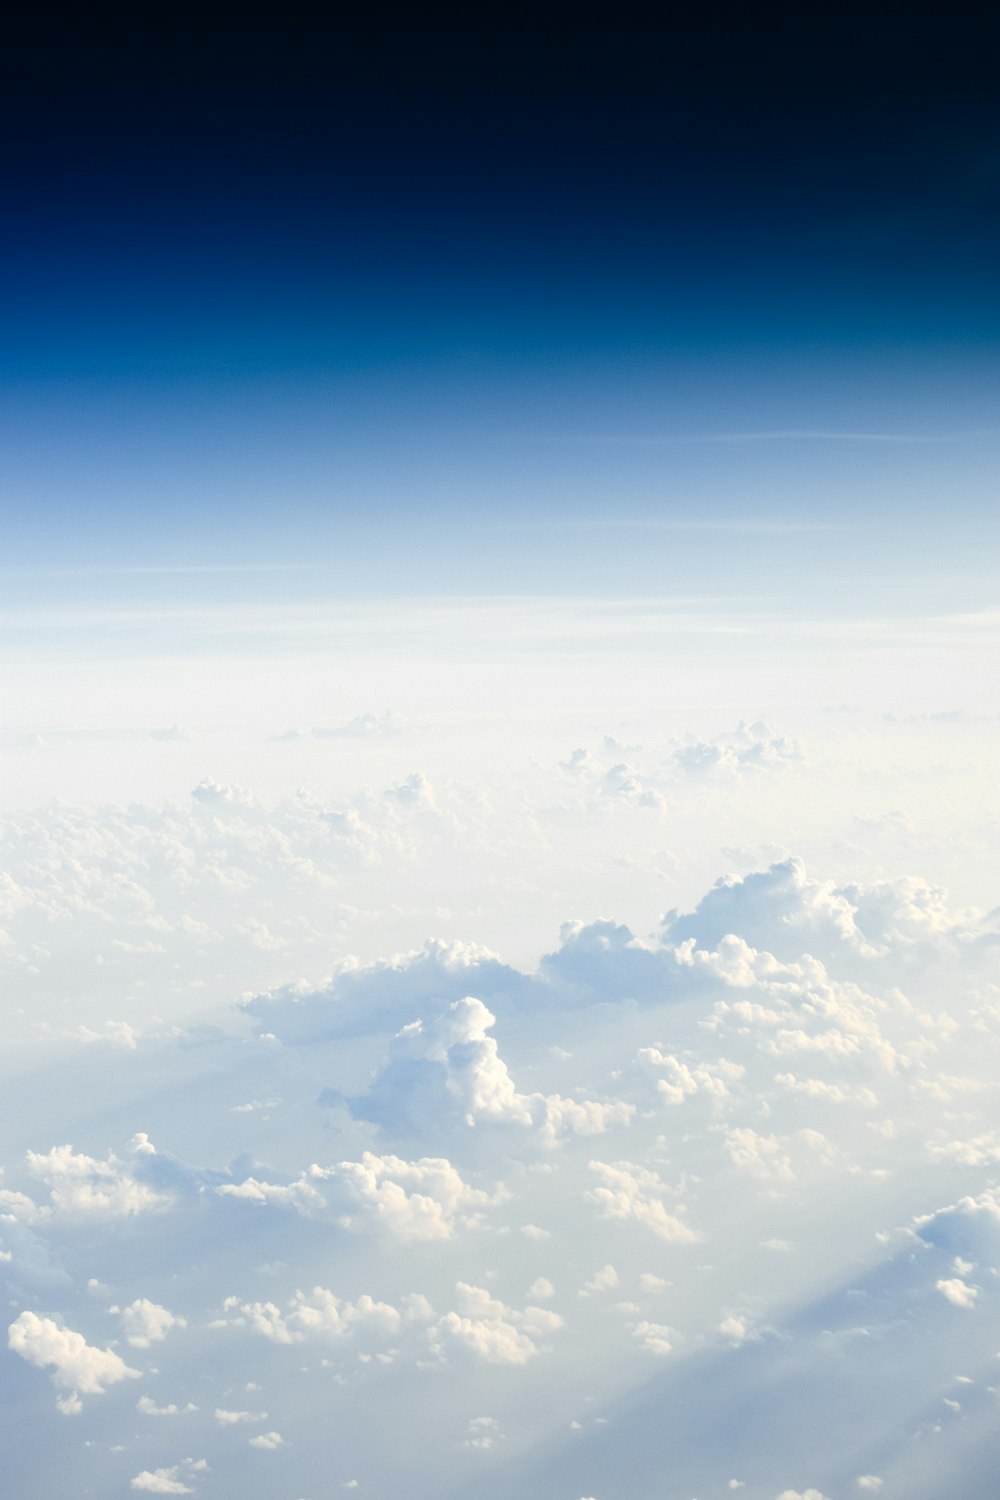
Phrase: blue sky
(361, 310)
(498, 867)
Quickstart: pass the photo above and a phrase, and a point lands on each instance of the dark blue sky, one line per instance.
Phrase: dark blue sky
(268, 286)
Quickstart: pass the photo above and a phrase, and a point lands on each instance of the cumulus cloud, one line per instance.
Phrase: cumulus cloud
(319, 1314)
(425, 1199)
(145, 1323)
(958, 1292)
(750, 748)
(448, 1070)
(88, 1187)
(446, 1121)
(852, 928)
(494, 1332)
(161, 1482)
(632, 1192)
(149, 1408)
(655, 1337)
(168, 1481)
(77, 1367)
(601, 1281)
(368, 998)
(759, 1154)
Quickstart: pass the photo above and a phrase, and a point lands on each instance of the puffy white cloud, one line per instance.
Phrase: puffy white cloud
(145, 1323)
(149, 1408)
(497, 1334)
(601, 1281)
(779, 910)
(483, 1433)
(751, 748)
(320, 1314)
(834, 1093)
(168, 1481)
(604, 960)
(463, 1152)
(87, 1187)
(300, 1194)
(629, 1191)
(449, 1070)
(760, 1155)
(77, 1367)
(561, 1117)
(382, 996)
(425, 1199)
(851, 928)
(683, 1081)
(958, 1292)
(161, 1482)
(268, 1442)
(476, 1077)
(656, 1337)
(117, 1034)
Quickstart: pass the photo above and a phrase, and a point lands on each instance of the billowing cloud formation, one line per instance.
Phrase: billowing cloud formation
(384, 996)
(556, 1193)
(450, 1069)
(407, 1200)
(634, 1193)
(81, 1186)
(146, 1323)
(77, 1367)
(168, 1481)
(498, 1334)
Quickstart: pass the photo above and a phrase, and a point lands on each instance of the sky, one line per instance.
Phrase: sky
(500, 627)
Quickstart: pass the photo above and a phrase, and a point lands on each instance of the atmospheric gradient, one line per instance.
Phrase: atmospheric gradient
(500, 901)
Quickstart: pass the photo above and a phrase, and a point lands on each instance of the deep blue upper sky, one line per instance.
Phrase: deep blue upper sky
(267, 287)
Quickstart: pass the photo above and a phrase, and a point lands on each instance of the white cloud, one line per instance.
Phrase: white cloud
(320, 1314)
(958, 1292)
(78, 1367)
(268, 1442)
(497, 1334)
(483, 1433)
(656, 1337)
(602, 1281)
(632, 1192)
(149, 1408)
(758, 1154)
(88, 1187)
(168, 1481)
(449, 1069)
(453, 1152)
(146, 1323)
(425, 1199)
